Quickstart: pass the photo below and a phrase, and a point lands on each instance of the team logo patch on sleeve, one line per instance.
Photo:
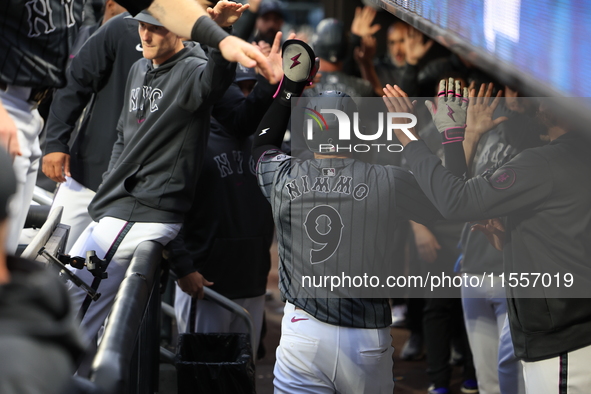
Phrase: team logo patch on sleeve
(274, 155)
(503, 178)
(280, 158)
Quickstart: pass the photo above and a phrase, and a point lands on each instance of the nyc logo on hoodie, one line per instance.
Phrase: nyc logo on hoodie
(153, 96)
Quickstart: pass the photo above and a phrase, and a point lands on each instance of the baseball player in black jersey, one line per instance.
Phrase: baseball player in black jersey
(330, 344)
(35, 43)
(545, 193)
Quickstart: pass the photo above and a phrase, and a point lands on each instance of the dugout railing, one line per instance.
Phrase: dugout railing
(127, 360)
(129, 354)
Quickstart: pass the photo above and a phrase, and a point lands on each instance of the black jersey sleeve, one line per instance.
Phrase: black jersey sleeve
(240, 115)
(88, 72)
(117, 149)
(180, 259)
(519, 185)
(206, 84)
(411, 202)
(270, 132)
(245, 25)
(455, 158)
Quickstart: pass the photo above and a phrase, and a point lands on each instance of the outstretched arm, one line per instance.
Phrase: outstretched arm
(243, 114)
(88, 72)
(520, 184)
(188, 18)
(270, 131)
(364, 55)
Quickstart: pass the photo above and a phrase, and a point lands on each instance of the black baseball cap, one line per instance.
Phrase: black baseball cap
(146, 17)
(7, 182)
(245, 73)
(272, 6)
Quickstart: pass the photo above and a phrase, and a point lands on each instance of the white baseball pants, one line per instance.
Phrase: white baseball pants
(100, 237)
(569, 373)
(75, 198)
(485, 312)
(29, 124)
(318, 358)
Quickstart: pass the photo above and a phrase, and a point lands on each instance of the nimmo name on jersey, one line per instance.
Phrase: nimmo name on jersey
(323, 184)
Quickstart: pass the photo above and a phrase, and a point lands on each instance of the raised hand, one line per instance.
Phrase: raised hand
(481, 110)
(264, 47)
(235, 49)
(362, 22)
(397, 101)
(365, 53)
(225, 13)
(414, 46)
(274, 58)
(254, 5)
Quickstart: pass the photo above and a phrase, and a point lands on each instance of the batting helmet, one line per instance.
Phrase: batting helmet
(329, 41)
(321, 130)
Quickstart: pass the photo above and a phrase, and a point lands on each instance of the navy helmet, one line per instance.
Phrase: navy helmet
(321, 131)
(329, 42)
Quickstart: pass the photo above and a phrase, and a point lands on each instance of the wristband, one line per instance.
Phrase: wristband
(207, 32)
(289, 89)
(453, 134)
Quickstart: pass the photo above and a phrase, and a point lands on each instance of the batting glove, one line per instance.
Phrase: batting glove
(450, 114)
(300, 65)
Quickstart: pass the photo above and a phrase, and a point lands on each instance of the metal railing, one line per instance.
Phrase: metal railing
(127, 360)
(226, 303)
(47, 236)
(119, 367)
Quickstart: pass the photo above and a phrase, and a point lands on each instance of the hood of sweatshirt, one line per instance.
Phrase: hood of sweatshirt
(35, 305)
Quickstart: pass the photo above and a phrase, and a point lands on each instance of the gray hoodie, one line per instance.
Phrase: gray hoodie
(162, 137)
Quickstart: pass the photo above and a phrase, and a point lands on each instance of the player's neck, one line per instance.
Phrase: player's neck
(555, 132)
(330, 156)
(327, 66)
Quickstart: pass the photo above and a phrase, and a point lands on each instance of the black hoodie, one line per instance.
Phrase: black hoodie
(162, 136)
(39, 340)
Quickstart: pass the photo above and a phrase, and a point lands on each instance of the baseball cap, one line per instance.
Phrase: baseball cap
(7, 182)
(245, 73)
(146, 17)
(272, 6)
